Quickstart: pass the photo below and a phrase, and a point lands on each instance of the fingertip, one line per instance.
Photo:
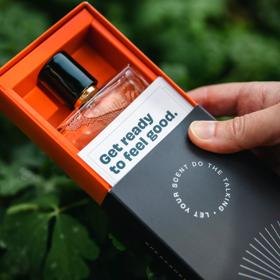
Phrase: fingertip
(199, 95)
(199, 134)
(202, 134)
(190, 133)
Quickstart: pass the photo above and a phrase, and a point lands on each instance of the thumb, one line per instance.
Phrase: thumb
(261, 128)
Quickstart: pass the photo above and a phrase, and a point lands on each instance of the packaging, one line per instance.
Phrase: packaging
(206, 216)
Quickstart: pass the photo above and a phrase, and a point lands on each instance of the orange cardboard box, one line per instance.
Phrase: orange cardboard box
(97, 45)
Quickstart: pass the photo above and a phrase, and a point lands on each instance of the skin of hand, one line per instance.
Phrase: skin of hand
(256, 125)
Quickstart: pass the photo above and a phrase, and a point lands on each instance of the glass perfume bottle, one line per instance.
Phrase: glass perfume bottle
(93, 108)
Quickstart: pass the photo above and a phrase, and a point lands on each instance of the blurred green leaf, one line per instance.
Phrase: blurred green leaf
(14, 178)
(150, 274)
(25, 237)
(71, 247)
(19, 26)
(117, 243)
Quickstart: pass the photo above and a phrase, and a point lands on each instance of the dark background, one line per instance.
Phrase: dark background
(196, 42)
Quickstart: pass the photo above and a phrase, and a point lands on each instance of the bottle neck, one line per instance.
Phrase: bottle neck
(87, 94)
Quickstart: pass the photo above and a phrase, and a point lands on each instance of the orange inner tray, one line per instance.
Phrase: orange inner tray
(102, 50)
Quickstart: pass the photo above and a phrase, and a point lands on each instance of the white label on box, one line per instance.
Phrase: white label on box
(136, 131)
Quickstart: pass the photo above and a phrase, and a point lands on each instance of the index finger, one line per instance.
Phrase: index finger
(237, 98)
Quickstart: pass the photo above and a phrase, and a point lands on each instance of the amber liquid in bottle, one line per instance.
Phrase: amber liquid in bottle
(88, 121)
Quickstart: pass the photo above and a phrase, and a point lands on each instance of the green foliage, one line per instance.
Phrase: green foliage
(15, 177)
(208, 41)
(19, 26)
(25, 237)
(116, 243)
(71, 245)
(36, 236)
(50, 229)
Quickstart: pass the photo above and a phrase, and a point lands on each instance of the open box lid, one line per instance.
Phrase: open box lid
(102, 50)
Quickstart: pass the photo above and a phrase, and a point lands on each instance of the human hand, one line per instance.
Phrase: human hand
(256, 126)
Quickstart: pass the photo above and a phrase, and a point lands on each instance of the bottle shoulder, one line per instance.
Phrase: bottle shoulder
(113, 98)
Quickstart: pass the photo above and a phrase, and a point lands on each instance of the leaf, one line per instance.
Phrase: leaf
(116, 243)
(97, 220)
(43, 203)
(5, 276)
(71, 247)
(150, 274)
(28, 155)
(47, 201)
(25, 237)
(59, 183)
(22, 207)
(15, 177)
(19, 26)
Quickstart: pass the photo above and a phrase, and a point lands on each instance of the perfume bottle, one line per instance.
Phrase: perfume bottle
(93, 108)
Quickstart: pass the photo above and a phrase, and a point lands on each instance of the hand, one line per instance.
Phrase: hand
(256, 106)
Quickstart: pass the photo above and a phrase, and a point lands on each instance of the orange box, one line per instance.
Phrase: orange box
(96, 44)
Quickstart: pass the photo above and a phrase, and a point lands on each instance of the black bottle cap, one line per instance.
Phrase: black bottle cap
(65, 77)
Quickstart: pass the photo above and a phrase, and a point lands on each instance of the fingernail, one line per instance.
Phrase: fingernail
(203, 129)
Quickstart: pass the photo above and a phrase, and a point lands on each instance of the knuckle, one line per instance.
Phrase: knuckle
(238, 130)
(238, 126)
(278, 105)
